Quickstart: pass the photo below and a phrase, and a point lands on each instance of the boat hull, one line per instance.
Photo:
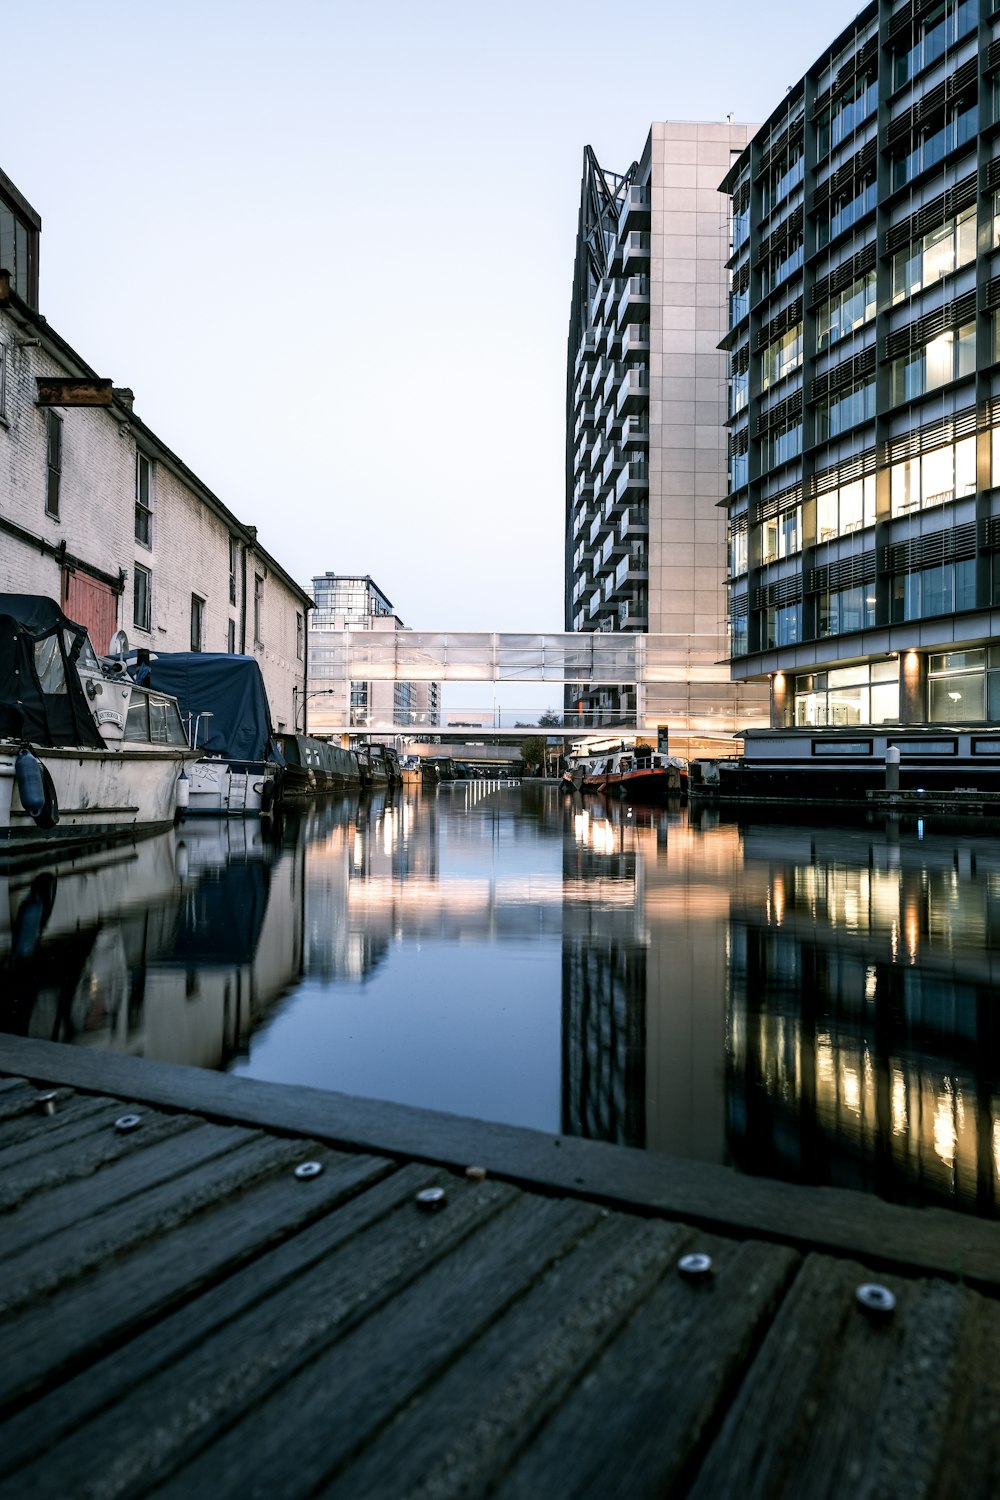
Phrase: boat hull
(222, 789)
(102, 794)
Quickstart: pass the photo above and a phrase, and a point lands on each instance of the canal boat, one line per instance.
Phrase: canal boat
(86, 754)
(239, 768)
(314, 767)
(379, 766)
(636, 773)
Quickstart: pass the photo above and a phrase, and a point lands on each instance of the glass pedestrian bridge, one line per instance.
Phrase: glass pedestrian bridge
(673, 681)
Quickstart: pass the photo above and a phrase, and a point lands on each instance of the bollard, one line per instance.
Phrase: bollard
(892, 769)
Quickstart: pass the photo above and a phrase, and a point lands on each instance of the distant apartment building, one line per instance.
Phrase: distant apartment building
(351, 602)
(97, 512)
(645, 540)
(864, 359)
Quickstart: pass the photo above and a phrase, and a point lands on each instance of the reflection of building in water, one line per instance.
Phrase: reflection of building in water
(173, 949)
(643, 978)
(864, 1041)
(411, 864)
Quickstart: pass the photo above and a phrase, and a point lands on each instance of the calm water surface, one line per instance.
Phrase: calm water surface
(818, 1004)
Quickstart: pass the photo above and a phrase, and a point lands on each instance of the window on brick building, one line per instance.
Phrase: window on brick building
(197, 622)
(143, 500)
(258, 608)
(142, 591)
(300, 637)
(231, 638)
(233, 560)
(4, 357)
(53, 432)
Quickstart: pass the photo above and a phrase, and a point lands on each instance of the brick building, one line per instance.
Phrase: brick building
(96, 510)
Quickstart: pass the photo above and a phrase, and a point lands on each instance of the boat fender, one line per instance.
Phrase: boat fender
(267, 797)
(183, 796)
(35, 789)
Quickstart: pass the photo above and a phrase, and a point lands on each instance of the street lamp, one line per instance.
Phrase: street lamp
(302, 698)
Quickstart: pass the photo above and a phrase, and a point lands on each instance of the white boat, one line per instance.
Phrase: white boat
(222, 699)
(86, 755)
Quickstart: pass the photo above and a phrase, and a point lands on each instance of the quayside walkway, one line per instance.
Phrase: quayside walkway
(186, 1313)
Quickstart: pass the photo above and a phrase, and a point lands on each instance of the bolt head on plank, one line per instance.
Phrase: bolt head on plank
(46, 1103)
(877, 1301)
(125, 1123)
(432, 1198)
(694, 1267)
(308, 1169)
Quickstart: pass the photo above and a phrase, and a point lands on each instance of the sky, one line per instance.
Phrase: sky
(330, 247)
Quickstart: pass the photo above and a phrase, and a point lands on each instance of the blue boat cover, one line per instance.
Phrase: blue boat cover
(230, 689)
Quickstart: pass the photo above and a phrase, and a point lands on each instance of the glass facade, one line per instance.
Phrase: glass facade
(875, 320)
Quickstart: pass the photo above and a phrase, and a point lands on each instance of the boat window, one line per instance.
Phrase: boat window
(137, 723)
(49, 665)
(165, 727)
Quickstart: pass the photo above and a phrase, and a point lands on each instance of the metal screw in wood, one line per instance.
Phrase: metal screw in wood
(46, 1103)
(308, 1169)
(432, 1198)
(125, 1123)
(875, 1300)
(695, 1267)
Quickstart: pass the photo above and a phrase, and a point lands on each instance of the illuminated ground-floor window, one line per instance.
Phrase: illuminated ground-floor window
(867, 694)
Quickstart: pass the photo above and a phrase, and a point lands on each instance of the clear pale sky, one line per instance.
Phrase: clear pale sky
(330, 246)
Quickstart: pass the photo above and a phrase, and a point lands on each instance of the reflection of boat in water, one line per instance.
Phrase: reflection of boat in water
(172, 949)
(637, 773)
(86, 755)
(224, 702)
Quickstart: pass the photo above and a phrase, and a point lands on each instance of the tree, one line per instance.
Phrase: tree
(533, 751)
(550, 719)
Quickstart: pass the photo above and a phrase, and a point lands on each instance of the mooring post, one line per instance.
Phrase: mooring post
(892, 769)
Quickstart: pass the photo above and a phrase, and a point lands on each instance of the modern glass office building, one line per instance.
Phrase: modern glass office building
(864, 385)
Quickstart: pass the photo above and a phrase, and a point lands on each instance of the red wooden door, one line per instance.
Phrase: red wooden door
(89, 602)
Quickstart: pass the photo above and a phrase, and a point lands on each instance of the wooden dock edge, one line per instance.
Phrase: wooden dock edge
(925, 1241)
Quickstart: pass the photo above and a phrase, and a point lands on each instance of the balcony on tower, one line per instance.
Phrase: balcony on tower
(635, 250)
(635, 210)
(587, 352)
(634, 523)
(633, 304)
(612, 464)
(633, 480)
(633, 393)
(635, 430)
(635, 339)
(633, 568)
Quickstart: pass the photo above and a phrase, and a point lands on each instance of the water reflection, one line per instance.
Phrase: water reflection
(813, 1004)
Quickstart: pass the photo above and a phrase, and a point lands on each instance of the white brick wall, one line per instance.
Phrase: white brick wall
(189, 553)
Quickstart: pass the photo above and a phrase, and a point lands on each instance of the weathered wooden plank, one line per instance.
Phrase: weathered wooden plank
(249, 1338)
(836, 1404)
(92, 1412)
(633, 1426)
(455, 1438)
(335, 1404)
(847, 1223)
(258, 1201)
(31, 1130)
(81, 1223)
(78, 1150)
(17, 1099)
(969, 1462)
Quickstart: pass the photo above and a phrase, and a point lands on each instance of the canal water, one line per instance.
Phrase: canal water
(818, 1004)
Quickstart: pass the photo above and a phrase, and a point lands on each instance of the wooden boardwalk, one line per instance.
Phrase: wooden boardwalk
(184, 1316)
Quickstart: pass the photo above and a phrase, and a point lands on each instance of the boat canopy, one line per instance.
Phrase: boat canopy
(41, 696)
(223, 697)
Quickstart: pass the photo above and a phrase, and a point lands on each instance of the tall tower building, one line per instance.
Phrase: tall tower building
(646, 398)
(864, 508)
